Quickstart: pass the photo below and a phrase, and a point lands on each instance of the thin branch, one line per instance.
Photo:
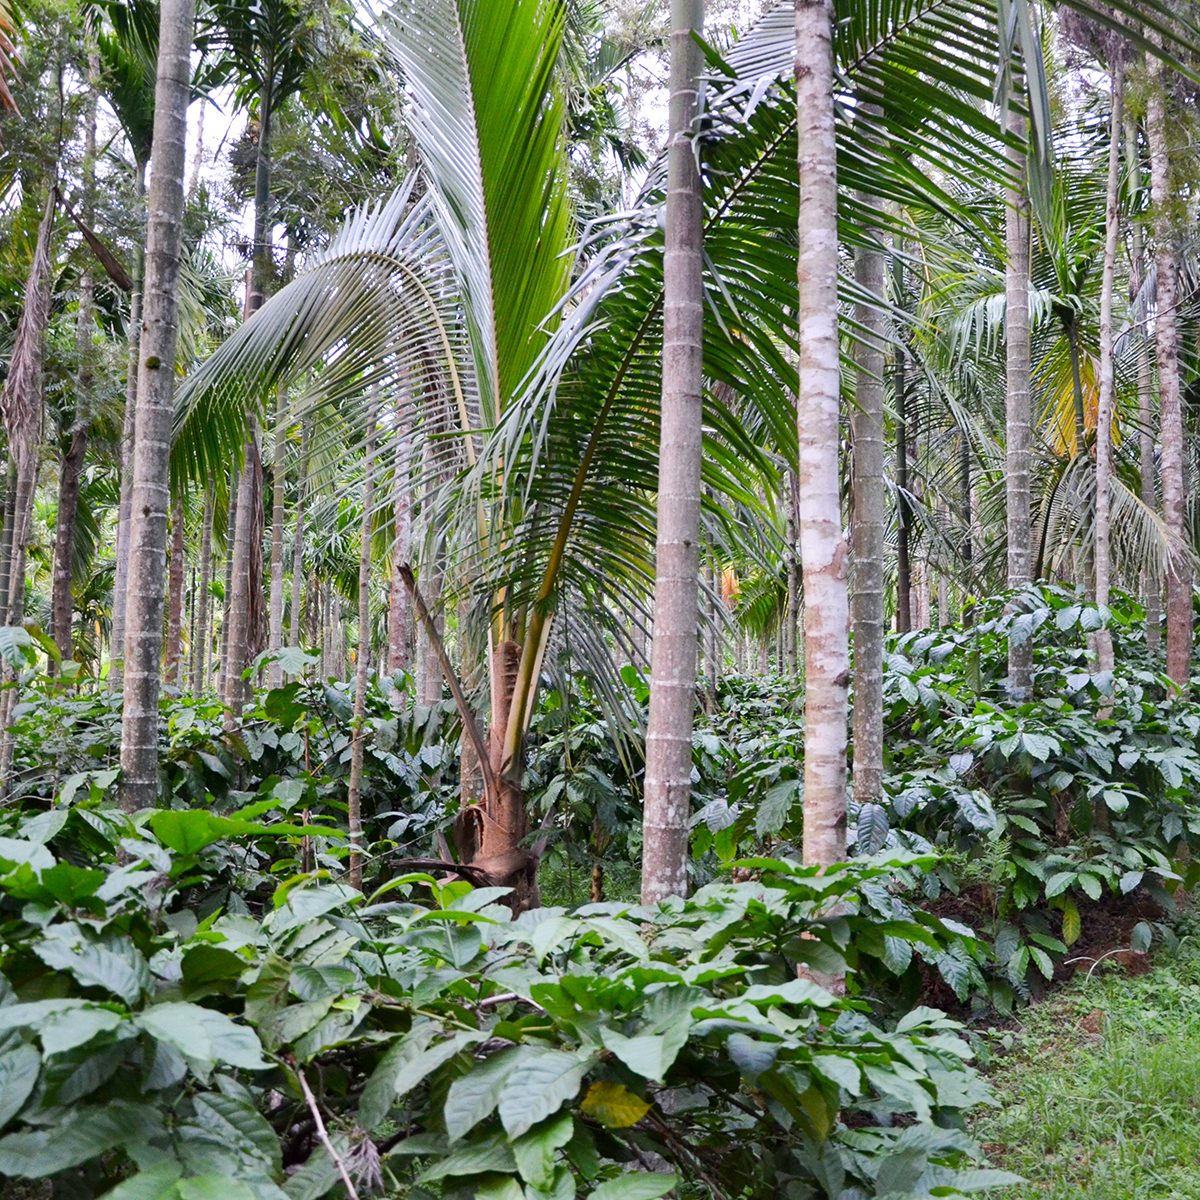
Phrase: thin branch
(323, 1134)
(491, 784)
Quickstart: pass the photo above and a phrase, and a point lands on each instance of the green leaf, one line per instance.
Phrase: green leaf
(776, 806)
(120, 968)
(155, 1183)
(540, 1083)
(474, 1096)
(536, 1150)
(636, 1185)
(19, 1068)
(406, 1064)
(1091, 885)
(81, 1135)
(1059, 882)
(203, 1036)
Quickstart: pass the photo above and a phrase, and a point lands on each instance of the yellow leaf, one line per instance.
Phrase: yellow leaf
(1071, 923)
(614, 1105)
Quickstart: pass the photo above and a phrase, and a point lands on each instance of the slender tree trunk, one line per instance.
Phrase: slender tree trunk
(791, 618)
(1017, 406)
(869, 519)
(246, 598)
(200, 643)
(278, 518)
(172, 669)
(121, 571)
(967, 516)
(156, 392)
(227, 603)
(358, 744)
(677, 557)
(1104, 410)
(822, 545)
(6, 538)
(1174, 484)
(298, 543)
(62, 608)
(1151, 582)
(400, 616)
(903, 511)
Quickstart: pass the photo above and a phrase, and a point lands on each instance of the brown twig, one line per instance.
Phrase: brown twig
(323, 1134)
(491, 785)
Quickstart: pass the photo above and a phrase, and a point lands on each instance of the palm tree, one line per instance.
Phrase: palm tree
(1166, 335)
(156, 390)
(668, 786)
(822, 547)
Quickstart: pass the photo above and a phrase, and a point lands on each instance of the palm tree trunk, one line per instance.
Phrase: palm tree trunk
(903, 512)
(791, 629)
(298, 543)
(69, 478)
(1151, 583)
(400, 616)
(121, 571)
(1107, 382)
(1179, 572)
(869, 518)
(358, 740)
(278, 518)
(822, 545)
(201, 641)
(668, 795)
(246, 597)
(227, 603)
(172, 667)
(150, 495)
(1017, 405)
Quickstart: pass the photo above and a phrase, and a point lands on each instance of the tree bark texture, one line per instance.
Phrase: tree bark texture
(172, 667)
(298, 543)
(201, 643)
(278, 519)
(400, 616)
(668, 780)
(822, 544)
(150, 495)
(1017, 403)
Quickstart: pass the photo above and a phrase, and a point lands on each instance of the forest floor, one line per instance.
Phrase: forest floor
(1099, 1085)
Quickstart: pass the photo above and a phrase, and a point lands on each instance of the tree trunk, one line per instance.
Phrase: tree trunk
(278, 517)
(1174, 484)
(201, 643)
(791, 631)
(62, 608)
(172, 672)
(400, 617)
(1017, 405)
(1151, 584)
(1107, 382)
(357, 744)
(822, 545)
(903, 511)
(298, 543)
(121, 570)
(246, 599)
(869, 520)
(227, 603)
(668, 788)
(155, 408)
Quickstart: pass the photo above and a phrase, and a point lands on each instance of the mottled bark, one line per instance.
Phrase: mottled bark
(668, 780)
(227, 602)
(869, 517)
(1166, 330)
(1148, 486)
(298, 541)
(400, 617)
(278, 518)
(791, 618)
(70, 476)
(822, 544)
(362, 662)
(246, 599)
(903, 509)
(1017, 402)
(121, 565)
(172, 667)
(201, 643)
(155, 406)
(1107, 381)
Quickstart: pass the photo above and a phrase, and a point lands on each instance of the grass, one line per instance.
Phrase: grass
(1100, 1088)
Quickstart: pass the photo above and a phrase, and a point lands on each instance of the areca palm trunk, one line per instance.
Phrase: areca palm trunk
(358, 743)
(1017, 402)
(121, 569)
(174, 656)
(1179, 573)
(156, 390)
(904, 514)
(674, 647)
(400, 617)
(1148, 489)
(200, 643)
(868, 520)
(822, 545)
(278, 517)
(298, 542)
(1107, 381)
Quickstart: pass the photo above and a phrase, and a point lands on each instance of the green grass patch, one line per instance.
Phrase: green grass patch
(1100, 1088)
